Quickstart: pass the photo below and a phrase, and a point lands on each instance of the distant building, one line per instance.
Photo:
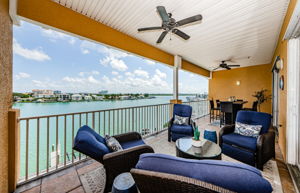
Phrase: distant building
(37, 93)
(63, 97)
(125, 97)
(98, 98)
(57, 92)
(76, 97)
(103, 92)
(88, 98)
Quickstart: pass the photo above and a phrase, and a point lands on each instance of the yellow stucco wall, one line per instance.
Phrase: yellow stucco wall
(55, 15)
(254, 78)
(5, 90)
(281, 50)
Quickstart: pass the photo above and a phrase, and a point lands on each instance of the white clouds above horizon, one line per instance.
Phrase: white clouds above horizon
(31, 54)
(141, 73)
(21, 75)
(55, 35)
(68, 71)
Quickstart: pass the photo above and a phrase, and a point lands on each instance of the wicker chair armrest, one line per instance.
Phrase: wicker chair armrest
(225, 130)
(265, 147)
(131, 136)
(170, 123)
(122, 161)
(150, 182)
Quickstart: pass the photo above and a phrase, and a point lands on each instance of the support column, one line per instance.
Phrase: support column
(5, 89)
(177, 66)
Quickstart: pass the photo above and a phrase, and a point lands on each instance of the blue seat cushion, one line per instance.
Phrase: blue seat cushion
(240, 141)
(232, 176)
(88, 142)
(129, 144)
(255, 118)
(182, 129)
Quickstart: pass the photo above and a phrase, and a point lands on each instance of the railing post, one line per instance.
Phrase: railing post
(13, 148)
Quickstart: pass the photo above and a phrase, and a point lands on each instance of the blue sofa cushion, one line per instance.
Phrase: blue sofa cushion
(240, 141)
(129, 144)
(255, 118)
(182, 110)
(232, 176)
(88, 142)
(182, 129)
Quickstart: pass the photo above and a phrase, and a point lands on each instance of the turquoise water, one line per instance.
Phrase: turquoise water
(61, 130)
(40, 109)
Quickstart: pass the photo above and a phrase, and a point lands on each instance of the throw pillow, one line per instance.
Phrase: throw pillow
(247, 130)
(113, 144)
(178, 120)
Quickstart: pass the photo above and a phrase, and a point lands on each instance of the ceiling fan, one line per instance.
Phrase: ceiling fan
(224, 65)
(169, 24)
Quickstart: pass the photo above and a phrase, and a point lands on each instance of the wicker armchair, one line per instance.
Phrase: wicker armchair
(88, 142)
(119, 162)
(177, 131)
(250, 150)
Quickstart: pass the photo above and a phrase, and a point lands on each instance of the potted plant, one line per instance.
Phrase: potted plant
(196, 138)
(261, 97)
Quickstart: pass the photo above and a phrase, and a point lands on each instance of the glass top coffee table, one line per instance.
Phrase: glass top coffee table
(208, 149)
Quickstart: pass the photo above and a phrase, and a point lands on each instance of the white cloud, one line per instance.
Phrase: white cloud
(141, 73)
(150, 62)
(129, 74)
(21, 75)
(114, 63)
(160, 74)
(94, 72)
(55, 35)
(72, 41)
(34, 54)
(85, 51)
(115, 73)
(118, 64)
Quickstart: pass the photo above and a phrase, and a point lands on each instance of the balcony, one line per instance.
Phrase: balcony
(73, 178)
(262, 35)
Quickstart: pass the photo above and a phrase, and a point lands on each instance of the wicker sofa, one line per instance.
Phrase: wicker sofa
(88, 142)
(155, 173)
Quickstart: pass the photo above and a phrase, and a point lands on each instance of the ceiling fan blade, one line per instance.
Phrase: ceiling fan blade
(189, 20)
(161, 37)
(149, 28)
(163, 13)
(181, 34)
(227, 67)
(234, 65)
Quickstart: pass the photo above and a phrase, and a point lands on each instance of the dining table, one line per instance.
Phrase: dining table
(230, 117)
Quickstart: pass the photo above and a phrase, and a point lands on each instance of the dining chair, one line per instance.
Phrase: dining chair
(254, 107)
(213, 109)
(226, 108)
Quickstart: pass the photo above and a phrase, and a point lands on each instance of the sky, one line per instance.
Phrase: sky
(48, 59)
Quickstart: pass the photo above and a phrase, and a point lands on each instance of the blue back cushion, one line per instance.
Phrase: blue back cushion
(182, 110)
(90, 143)
(232, 176)
(255, 118)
